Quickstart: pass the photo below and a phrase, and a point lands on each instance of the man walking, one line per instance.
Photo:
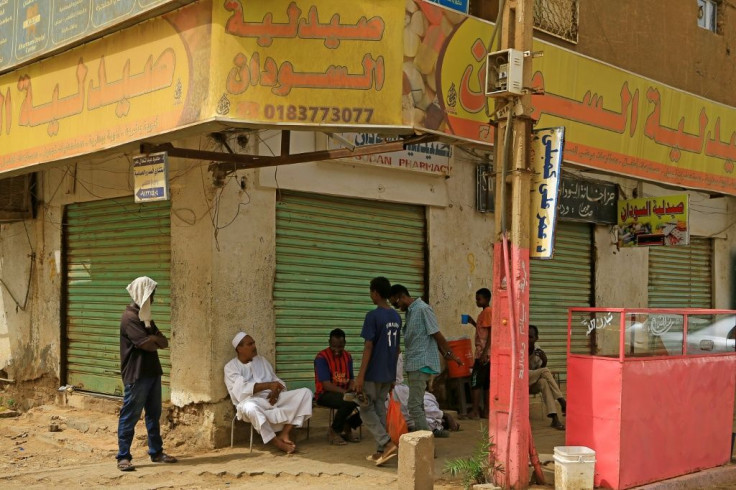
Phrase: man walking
(141, 372)
(424, 343)
(480, 379)
(382, 334)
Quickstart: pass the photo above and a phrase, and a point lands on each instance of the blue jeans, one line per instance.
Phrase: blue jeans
(374, 415)
(417, 382)
(145, 393)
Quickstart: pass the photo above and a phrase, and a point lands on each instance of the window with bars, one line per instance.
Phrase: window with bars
(708, 14)
(558, 18)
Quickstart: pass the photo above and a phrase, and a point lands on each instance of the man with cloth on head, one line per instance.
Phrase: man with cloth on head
(140, 368)
(261, 398)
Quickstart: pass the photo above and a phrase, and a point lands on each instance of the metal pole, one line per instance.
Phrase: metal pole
(509, 398)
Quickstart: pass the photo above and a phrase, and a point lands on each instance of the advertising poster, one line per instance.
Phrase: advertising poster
(650, 221)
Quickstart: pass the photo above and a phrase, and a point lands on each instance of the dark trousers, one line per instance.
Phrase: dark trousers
(145, 393)
(344, 410)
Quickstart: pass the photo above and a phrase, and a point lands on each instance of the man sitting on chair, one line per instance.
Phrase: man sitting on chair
(260, 397)
(333, 377)
(542, 381)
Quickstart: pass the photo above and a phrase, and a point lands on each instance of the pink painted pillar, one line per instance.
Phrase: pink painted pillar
(508, 416)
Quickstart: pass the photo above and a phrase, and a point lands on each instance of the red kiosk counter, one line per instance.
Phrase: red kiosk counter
(650, 390)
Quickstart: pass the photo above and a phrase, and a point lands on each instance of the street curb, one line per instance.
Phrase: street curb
(722, 475)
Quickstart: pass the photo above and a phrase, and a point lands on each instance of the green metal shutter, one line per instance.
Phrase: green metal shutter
(558, 284)
(681, 277)
(107, 245)
(327, 251)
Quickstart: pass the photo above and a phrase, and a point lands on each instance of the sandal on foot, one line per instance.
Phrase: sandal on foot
(388, 454)
(350, 438)
(374, 457)
(338, 441)
(163, 458)
(125, 465)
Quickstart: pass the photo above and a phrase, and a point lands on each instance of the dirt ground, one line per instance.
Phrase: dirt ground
(51, 445)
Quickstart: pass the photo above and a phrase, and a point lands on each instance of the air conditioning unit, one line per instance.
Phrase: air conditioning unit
(504, 73)
(17, 198)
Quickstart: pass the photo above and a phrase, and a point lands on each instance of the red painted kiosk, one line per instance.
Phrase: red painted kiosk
(650, 390)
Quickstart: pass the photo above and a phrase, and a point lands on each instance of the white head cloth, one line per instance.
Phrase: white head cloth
(140, 291)
(238, 337)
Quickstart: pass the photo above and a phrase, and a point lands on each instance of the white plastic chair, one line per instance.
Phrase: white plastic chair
(232, 432)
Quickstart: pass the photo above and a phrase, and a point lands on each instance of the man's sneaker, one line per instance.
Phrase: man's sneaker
(441, 433)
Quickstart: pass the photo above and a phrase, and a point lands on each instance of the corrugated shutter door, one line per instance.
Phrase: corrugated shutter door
(681, 277)
(327, 251)
(108, 244)
(558, 284)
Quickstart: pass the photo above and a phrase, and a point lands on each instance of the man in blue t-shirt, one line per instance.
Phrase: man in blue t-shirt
(382, 334)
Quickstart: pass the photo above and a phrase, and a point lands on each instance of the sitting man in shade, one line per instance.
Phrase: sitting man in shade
(260, 397)
(542, 381)
(333, 378)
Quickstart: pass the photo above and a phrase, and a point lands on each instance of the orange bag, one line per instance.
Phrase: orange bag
(395, 422)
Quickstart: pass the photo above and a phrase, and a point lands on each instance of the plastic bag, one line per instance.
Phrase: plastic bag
(395, 421)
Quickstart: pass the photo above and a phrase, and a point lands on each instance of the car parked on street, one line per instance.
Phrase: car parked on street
(661, 334)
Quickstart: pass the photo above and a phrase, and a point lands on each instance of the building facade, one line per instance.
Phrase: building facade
(284, 250)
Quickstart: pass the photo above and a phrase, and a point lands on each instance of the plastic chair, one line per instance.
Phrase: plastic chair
(232, 432)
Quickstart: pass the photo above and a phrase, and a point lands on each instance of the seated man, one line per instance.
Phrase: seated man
(333, 377)
(261, 398)
(542, 381)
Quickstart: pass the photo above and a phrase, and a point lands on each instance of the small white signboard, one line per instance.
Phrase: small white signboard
(546, 158)
(151, 177)
(433, 157)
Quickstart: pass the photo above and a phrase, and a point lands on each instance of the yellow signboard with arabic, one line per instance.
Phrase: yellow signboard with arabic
(615, 120)
(315, 62)
(118, 89)
(659, 220)
(633, 126)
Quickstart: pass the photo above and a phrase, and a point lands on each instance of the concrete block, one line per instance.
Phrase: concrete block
(416, 461)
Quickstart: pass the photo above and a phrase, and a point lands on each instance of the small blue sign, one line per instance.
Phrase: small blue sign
(458, 5)
(150, 193)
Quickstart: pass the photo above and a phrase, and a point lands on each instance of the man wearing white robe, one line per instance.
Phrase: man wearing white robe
(260, 397)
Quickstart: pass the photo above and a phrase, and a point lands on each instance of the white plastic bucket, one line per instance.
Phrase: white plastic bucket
(574, 468)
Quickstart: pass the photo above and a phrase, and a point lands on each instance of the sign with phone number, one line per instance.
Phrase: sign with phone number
(318, 114)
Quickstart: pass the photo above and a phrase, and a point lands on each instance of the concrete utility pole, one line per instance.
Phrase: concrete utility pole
(508, 416)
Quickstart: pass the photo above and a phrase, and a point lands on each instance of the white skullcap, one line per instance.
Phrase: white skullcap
(238, 337)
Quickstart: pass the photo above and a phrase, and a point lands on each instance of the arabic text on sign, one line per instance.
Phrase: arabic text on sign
(332, 32)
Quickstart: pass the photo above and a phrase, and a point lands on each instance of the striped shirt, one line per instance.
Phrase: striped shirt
(337, 370)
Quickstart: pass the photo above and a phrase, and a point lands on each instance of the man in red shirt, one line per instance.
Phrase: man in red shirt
(480, 379)
(333, 377)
